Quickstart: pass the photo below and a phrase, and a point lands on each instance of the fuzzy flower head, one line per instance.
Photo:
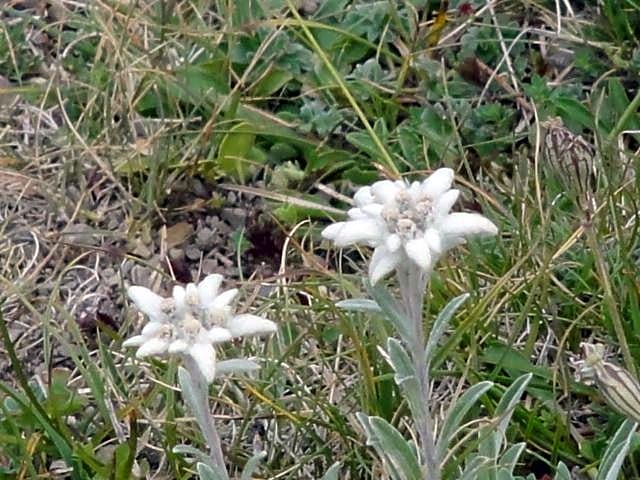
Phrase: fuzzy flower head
(407, 223)
(191, 322)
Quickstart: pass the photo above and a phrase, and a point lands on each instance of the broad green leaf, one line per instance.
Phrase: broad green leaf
(233, 154)
(457, 413)
(359, 305)
(272, 82)
(363, 141)
(398, 449)
(616, 452)
(573, 112)
(123, 462)
(392, 313)
(441, 323)
(207, 472)
(252, 465)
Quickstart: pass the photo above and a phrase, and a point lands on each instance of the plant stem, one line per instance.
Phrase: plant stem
(203, 415)
(413, 282)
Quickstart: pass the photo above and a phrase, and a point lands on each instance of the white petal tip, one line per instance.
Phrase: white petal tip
(250, 325)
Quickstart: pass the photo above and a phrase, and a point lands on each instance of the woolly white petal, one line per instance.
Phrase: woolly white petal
(153, 346)
(332, 231)
(146, 301)
(415, 190)
(373, 210)
(151, 328)
(135, 341)
(382, 262)
(445, 202)
(224, 299)
(247, 325)
(434, 241)
(437, 183)
(205, 357)
(178, 346)
(356, 214)
(180, 297)
(208, 288)
(363, 197)
(393, 242)
(191, 293)
(418, 251)
(465, 224)
(219, 335)
(357, 231)
(385, 191)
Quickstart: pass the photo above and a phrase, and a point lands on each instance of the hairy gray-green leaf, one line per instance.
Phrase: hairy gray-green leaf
(392, 313)
(198, 456)
(374, 441)
(332, 473)
(191, 395)
(359, 305)
(405, 375)
(207, 472)
(398, 449)
(562, 472)
(252, 465)
(616, 452)
(510, 457)
(457, 413)
(509, 400)
(475, 466)
(441, 323)
(236, 365)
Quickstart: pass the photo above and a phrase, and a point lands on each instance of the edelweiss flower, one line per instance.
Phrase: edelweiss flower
(191, 321)
(405, 221)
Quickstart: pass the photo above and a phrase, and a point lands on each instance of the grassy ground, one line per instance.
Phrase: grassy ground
(128, 128)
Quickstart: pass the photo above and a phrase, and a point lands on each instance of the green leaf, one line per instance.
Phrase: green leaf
(233, 154)
(123, 462)
(397, 448)
(363, 142)
(359, 305)
(207, 472)
(271, 83)
(441, 323)
(457, 413)
(573, 112)
(616, 452)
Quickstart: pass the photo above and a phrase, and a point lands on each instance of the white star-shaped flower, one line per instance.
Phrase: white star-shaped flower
(407, 222)
(191, 322)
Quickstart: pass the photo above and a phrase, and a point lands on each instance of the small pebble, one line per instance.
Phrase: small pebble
(193, 253)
